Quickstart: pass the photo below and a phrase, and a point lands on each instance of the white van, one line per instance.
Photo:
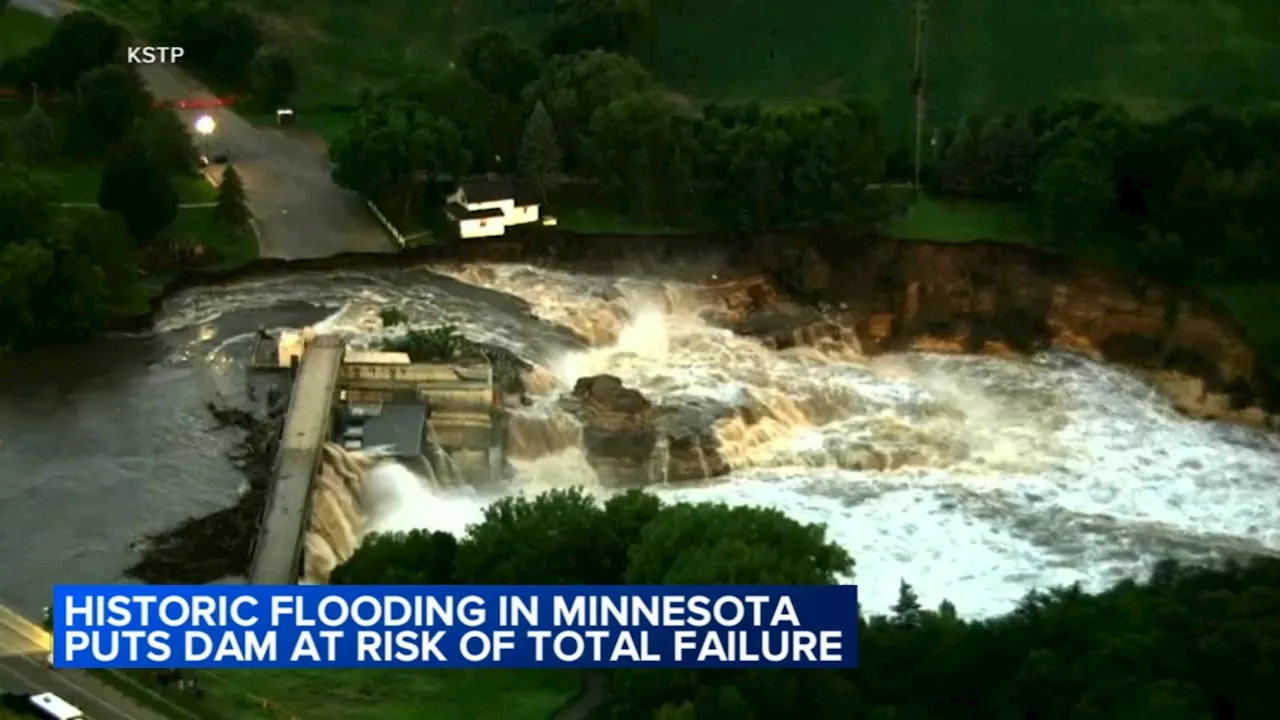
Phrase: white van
(55, 708)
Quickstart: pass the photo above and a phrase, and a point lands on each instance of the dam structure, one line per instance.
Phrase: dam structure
(347, 410)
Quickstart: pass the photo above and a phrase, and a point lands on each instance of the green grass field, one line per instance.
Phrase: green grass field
(388, 694)
(1255, 307)
(21, 30)
(961, 221)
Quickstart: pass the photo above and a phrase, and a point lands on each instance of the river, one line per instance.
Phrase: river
(973, 478)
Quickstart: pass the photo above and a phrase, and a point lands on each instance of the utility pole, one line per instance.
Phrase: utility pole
(918, 85)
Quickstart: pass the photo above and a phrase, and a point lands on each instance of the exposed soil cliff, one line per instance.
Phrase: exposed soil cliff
(896, 295)
(997, 298)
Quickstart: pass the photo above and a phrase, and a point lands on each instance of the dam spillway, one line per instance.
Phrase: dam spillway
(337, 519)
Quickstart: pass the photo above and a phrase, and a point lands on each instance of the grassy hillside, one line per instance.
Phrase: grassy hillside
(1148, 54)
(982, 53)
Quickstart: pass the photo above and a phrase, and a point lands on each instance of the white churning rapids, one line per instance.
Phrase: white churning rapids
(975, 479)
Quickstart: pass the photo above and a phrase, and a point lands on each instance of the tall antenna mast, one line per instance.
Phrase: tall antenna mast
(918, 85)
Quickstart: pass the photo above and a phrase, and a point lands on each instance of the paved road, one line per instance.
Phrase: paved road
(299, 210)
(23, 646)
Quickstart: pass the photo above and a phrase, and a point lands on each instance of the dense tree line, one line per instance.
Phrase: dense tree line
(598, 119)
(1189, 197)
(1189, 644)
(64, 271)
(227, 48)
(1192, 196)
(581, 112)
(60, 273)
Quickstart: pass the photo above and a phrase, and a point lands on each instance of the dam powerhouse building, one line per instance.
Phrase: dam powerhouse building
(444, 419)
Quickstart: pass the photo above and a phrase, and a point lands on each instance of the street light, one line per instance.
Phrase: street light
(206, 125)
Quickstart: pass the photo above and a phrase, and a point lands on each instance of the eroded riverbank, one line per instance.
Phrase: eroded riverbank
(1115, 477)
(981, 298)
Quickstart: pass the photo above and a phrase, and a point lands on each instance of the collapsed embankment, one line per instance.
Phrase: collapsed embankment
(897, 295)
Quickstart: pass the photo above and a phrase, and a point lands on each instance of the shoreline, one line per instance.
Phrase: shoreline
(899, 295)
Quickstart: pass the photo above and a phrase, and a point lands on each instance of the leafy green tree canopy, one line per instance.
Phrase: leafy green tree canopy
(137, 188)
(540, 155)
(232, 209)
(167, 139)
(108, 102)
(273, 78)
(34, 139)
(499, 64)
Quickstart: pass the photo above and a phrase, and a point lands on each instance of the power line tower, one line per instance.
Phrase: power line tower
(921, 8)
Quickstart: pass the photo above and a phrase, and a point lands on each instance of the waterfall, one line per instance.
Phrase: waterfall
(337, 517)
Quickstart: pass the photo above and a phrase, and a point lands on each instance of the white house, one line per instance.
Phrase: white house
(486, 207)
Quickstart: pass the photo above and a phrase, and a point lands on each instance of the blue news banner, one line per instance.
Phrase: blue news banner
(229, 626)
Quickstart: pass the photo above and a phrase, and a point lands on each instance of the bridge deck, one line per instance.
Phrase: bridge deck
(306, 429)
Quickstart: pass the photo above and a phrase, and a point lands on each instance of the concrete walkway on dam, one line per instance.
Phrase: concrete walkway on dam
(277, 554)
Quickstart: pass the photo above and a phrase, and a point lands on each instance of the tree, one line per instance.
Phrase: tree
(81, 42)
(546, 540)
(417, 557)
(232, 210)
(574, 87)
(33, 139)
(28, 205)
(274, 78)
(907, 609)
(747, 160)
(719, 544)
(489, 124)
(635, 146)
(25, 267)
(108, 102)
(540, 155)
(167, 139)
(499, 64)
(59, 287)
(77, 297)
(608, 25)
(134, 186)
(1018, 161)
(1074, 193)
(837, 157)
(219, 39)
(388, 158)
(437, 344)
(957, 170)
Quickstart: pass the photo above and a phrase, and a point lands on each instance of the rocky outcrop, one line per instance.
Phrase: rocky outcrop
(619, 430)
(630, 442)
(693, 449)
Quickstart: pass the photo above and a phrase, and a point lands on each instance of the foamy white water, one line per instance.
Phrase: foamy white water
(975, 479)
(397, 500)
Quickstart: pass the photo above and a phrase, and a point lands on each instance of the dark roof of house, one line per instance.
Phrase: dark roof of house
(401, 425)
(489, 189)
(460, 212)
